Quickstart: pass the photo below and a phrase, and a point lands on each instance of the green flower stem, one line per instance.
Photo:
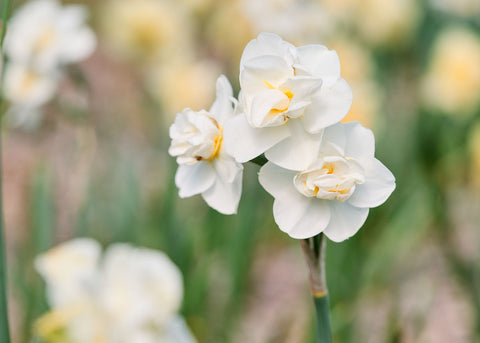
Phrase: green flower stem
(4, 329)
(314, 253)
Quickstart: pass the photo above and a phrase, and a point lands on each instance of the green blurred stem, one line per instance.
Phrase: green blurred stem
(314, 253)
(4, 330)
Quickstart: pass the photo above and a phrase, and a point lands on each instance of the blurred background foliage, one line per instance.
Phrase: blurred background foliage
(97, 166)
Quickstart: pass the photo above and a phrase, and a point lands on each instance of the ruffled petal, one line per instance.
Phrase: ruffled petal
(298, 151)
(378, 186)
(264, 72)
(222, 108)
(268, 44)
(245, 142)
(328, 107)
(319, 60)
(194, 179)
(345, 220)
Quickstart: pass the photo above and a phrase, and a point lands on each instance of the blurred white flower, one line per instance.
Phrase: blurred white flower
(27, 89)
(131, 295)
(452, 80)
(139, 286)
(70, 271)
(45, 35)
(334, 193)
(297, 21)
(288, 96)
(204, 166)
(387, 22)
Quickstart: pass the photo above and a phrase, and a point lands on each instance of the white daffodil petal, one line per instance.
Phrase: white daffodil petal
(297, 151)
(328, 107)
(319, 60)
(277, 181)
(261, 114)
(345, 220)
(288, 211)
(267, 44)
(378, 186)
(222, 109)
(360, 144)
(194, 179)
(264, 72)
(315, 220)
(81, 46)
(245, 142)
(223, 196)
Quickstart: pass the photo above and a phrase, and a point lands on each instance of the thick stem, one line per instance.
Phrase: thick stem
(314, 252)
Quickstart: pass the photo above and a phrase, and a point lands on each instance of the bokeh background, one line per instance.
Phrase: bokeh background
(97, 166)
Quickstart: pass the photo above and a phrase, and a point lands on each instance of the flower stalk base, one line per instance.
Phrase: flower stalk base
(314, 253)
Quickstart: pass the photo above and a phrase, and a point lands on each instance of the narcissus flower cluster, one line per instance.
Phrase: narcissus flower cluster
(322, 173)
(42, 37)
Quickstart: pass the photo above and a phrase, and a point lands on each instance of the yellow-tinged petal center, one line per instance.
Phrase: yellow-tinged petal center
(282, 107)
(44, 40)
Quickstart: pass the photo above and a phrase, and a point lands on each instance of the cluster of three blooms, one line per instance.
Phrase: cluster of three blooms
(322, 173)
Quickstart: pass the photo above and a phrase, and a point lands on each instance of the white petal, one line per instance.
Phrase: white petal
(194, 179)
(222, 108)
(79, 46)
(277, 181)
(259, 112)
(224, 196)
(328, 107)
(288, 211)
(298, 151)
(314, 220)
(245, 142)
(345, 220)
(378, 186)
(319, 60)
(360, 143)
(261, 71)
(267, 44)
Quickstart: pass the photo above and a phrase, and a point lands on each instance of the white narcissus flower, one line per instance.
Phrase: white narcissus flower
(204, 166)
(70, 271)
(139, 286)
(288, 96)
(45, 35)
(130, 295)
(334, 193)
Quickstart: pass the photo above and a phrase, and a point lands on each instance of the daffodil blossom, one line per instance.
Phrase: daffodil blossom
(204, 166)
(27, 90)
(288, 95)
(334, 193)
(128, 295)
(45, 35)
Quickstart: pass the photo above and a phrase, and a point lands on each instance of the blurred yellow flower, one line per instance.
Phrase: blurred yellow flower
(452, 80)
(180, 85)
(229, 40)
(145, 30)
(387, 22)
